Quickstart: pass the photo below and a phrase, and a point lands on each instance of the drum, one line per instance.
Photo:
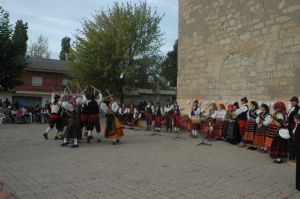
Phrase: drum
(195, 119)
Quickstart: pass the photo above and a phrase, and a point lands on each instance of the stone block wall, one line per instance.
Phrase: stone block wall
(234, 48)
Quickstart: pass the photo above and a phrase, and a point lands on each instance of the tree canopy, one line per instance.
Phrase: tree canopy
(118, 48)
(169, 66)
(65, 48)
(39, 48)
(13, 42)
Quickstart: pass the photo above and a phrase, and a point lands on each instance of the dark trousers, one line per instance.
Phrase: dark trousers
(168, 121)
(94, 123)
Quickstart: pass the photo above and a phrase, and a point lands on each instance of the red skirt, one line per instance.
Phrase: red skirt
(148, 117)
(250, 130)
(273, 130)
(84, 120)
(176, 120)
(219, 127)
(259, 137)
(158, 121)
(242, 123)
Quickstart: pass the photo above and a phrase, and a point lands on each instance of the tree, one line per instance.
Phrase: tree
(169, 66)
(65, 48)
(39, 48)
(117, 47)
(13, 44)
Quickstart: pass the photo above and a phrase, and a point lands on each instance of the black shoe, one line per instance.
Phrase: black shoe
(75, 146)
(88, 139)
(278, 161)
(118, 141)
(64, 144)
(98, 140)
(45, 136)
(56, 137)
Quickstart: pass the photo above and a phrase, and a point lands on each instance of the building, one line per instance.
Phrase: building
(41, 77)
(233, 48)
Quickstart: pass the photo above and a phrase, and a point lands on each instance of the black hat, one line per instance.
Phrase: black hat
(244, 99)
(56, 97)
(265, 106)
(294, 99)
(236, 104)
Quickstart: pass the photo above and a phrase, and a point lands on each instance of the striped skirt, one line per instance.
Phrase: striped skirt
(259, 137)
(250, 130)
(219, 127)
(272, 133)
(207, 128)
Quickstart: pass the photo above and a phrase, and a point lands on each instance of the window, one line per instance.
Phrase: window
(37, 81)
(65, 82)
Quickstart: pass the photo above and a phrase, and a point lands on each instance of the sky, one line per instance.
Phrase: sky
(56, 19)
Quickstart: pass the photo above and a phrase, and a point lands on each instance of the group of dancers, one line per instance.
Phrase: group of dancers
(74, 119)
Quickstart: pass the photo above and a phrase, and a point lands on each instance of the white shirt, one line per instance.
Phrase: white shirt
(214, 114)
(221, 114)
(198, 111)
(266, 122)
(242, 109)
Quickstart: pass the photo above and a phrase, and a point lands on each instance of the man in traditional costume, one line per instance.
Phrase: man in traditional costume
(242, 118)
(149, 111)
(195, 111)
(54, 116)
(169, 108)
(158, 117)
(93, 117)
(176, 117)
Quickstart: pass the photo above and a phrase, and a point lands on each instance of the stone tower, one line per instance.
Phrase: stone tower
(234, 48)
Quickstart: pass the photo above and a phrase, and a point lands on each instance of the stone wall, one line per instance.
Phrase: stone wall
(234, 48)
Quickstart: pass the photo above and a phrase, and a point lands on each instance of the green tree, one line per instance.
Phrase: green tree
(13, 44)
(169, 66)
(39, 48)
(65, 48)
(116, 49)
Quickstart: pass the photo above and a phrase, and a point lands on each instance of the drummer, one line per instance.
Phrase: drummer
(195, 110)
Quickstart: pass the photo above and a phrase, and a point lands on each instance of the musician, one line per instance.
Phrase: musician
(220, 118)
(113, 127)
(195, 111)
(210, 121)
(169, 109)
(137, 117)
(176, 116)
(242, 119)
(54, 116)
(93, 117)
(293, 111)
(280, 141)
(263, 121)
(73, 125)
(251, 125)
(149, 111)
(296, 133)
(158, 117)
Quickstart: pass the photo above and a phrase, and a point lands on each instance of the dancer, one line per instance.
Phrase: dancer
(168, 110)
(93, 117)
(176, 117)
(158, 117)
(195, 111)
(54, 116)
(149, 111)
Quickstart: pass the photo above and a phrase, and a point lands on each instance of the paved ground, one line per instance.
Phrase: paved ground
(140, 167)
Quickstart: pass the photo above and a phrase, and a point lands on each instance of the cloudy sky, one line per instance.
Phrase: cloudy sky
(56, 19)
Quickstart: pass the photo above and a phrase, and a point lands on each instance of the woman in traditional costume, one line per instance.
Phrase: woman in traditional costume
(209, 125)
(113, 129)
(296, 133)
(232, 129)
(280, 138)
(242, 119)
(251, 125)
(158, 113)
(149, 111)
(263, 121)
(220, 121)
(176, 116)
(73, 126)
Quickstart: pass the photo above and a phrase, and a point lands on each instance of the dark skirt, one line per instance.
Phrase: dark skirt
(279, 148)
(232, 134)
(73, 127)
